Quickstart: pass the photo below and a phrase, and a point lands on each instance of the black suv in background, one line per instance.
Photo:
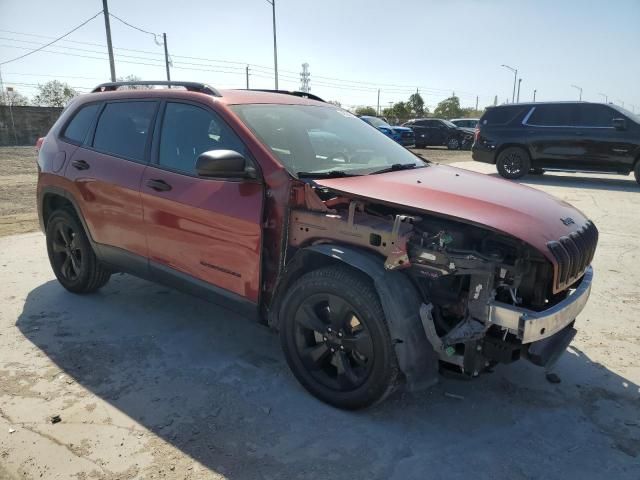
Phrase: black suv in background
(438, 132)
(563, 136)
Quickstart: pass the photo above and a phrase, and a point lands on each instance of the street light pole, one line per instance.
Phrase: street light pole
(606, 98)
(515, 80)
(578, 88)
(519, 82)
(534, 94)
(166, 56)
(275, 46)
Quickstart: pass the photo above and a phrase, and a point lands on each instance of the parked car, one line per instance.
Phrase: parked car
(559, 136)
(377, 267)
(465, 122)
(402, 135)
(439, 132)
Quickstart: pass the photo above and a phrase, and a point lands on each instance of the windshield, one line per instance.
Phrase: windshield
(449, 124)
(375, 121)
(320, 140)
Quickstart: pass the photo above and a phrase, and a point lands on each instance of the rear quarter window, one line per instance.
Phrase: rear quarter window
(77, 129)
(503, 115)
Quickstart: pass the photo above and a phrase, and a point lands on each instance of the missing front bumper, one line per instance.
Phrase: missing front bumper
(531, 326)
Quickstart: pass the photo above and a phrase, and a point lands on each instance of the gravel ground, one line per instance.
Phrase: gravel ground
(150, 383)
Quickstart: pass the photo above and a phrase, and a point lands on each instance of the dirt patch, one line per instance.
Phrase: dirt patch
(18, 178)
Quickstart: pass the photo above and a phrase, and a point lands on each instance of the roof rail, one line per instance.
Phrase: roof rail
(308, 95)
(191, 86)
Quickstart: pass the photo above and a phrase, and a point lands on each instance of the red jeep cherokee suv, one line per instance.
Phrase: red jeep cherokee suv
(376, 266)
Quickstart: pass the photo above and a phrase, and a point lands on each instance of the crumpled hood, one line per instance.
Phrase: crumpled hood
(522, 212)
(401, 129)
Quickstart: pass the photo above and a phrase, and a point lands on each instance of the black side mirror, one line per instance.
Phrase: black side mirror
(619, 123)
(224, 164)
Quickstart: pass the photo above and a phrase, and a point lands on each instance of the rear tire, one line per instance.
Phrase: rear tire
(636, 171)
(513, 162)
(336, 340)
(72, 259)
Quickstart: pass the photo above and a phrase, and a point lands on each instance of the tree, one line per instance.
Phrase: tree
(366, 111)
(13, 98)
(54, 94)
(335, 103)
(131, 78)
(416, 105)
(448, 108)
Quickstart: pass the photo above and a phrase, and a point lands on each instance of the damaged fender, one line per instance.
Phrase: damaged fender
(401, 304)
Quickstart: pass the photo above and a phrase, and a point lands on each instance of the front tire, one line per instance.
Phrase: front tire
(513, 162)
(72, 259)
(636, 171)
(453, 144)
(335, 338)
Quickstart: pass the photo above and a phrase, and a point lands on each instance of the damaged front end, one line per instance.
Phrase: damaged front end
(486, 297)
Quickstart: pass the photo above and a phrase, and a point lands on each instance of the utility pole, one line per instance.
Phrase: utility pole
(534, 95)
(515, 79)
(606, 97)
(166, 56)
(378, 106)
(107, 26)
(2, 88)
(247, 74)
(304, 78)
(476, 103)
(13, 125)
(578, 88)
(518, 98)
(275, 47)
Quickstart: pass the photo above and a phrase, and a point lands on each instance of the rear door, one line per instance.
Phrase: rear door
(554, 139)
(201, 229)
(106, 171)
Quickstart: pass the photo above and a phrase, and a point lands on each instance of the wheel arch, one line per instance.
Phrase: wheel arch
(399, 298)
(504, 146)
(52, 198)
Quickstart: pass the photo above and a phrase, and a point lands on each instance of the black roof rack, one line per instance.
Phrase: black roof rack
(308, 95)
(191, 86)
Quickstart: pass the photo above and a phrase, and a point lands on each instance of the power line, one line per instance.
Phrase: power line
(53, 41)
(132, 26)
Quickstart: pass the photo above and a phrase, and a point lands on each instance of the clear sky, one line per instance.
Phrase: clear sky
(353, 47)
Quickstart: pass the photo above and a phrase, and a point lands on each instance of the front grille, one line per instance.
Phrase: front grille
(574, 254)
(407, 134)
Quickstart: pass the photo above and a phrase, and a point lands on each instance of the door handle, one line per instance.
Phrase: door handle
(80, 165)
(158, 185)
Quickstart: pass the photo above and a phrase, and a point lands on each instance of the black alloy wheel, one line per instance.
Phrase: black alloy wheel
(513, 162)
(332, 342)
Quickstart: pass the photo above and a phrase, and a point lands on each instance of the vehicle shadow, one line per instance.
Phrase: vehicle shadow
(215, 386)
(617, 183)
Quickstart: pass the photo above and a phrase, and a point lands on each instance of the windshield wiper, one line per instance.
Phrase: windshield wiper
(331, 174)
(395, 167)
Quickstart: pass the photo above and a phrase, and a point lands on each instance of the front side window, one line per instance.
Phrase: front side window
(79, 125)
(188, 131)
(594, 115)
(123, 129)
(321, 140)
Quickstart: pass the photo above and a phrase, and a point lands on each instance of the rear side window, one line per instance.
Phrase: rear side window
(123, 129)
(594, 115)
(552, 116)
(502, 115)
(79, 125)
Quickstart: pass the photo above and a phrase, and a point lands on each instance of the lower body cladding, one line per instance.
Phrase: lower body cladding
(509, 333)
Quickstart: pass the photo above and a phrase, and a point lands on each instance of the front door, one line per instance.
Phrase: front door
(201, 229)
